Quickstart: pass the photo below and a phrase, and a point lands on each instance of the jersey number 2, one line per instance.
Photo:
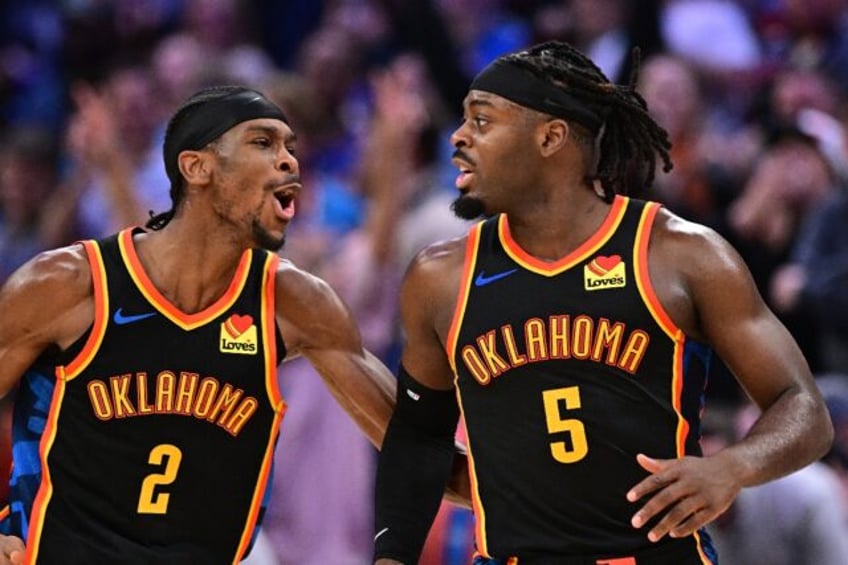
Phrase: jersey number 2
(149, 501)
(557, 402)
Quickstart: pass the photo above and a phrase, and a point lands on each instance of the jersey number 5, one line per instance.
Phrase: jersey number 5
(149, 501)
(557, 402)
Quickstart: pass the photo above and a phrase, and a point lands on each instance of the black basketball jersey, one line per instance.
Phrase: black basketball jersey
(565, 371)
(158, 440)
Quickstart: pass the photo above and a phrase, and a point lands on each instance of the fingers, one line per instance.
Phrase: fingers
(682, 513)
(653, 482)
(648, 463)
(691, 524)
(664, 497)
(682, 494)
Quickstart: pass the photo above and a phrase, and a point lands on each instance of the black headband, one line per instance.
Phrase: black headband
(523, 87)
(207, 121)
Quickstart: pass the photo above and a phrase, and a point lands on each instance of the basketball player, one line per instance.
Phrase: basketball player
(578, 323)
(147, 406)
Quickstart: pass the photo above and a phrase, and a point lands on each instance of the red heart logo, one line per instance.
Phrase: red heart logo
(239, 323)
(608, 263)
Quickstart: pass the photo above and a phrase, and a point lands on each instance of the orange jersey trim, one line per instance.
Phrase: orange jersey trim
(476, 502)
(660, 315)
(472, 245)
(63, 375)
(152, 294)
(272, 385)
(643, 278)
(471, 248)
(587, 248)
(45, 489)
(269, 325)
(101, 314)
(261, 485)
(700, 546)
(677, 394)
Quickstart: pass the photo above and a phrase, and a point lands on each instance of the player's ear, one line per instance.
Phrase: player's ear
(553, 136)
(195, 166)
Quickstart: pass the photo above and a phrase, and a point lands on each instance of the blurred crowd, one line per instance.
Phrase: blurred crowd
(754, 95)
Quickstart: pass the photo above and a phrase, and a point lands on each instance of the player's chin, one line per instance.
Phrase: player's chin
(468, 207)
(270, 239)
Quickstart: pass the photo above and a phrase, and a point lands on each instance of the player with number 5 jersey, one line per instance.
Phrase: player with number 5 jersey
(566, 376)
(571, 329)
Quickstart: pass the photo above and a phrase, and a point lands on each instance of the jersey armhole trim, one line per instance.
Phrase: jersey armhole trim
(269, 326)
(472, 244)
(643, 277)
(101, 315)
(268, 309)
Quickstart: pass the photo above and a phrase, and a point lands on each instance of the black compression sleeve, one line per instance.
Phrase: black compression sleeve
(413, 468)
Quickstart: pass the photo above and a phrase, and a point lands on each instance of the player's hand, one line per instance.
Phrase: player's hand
(688, 493)
(11, 550)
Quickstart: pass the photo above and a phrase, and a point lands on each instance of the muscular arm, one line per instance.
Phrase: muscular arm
(415, 461)
(709, 293)
(316, 324)
(47, 302)
(794, 429)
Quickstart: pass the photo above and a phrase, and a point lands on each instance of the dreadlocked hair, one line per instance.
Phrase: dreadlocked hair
(629, 141)
(177, 191)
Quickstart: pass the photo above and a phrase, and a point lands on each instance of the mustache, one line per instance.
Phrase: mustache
(290, 179)
(460, 155)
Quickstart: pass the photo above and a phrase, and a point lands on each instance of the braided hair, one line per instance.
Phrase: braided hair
(629, 142)
(177, 191)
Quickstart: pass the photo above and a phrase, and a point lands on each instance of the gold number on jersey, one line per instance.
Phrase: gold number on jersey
(149, 501)
(557, 401)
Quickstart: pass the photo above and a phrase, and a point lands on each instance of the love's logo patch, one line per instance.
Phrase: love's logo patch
(238, 335)
(604, 272)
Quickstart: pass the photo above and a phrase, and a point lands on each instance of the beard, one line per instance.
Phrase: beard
(266, 240)
(468, 207)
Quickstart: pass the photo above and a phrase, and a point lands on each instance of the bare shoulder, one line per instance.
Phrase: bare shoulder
(49, 300)
(310, 313)
(299, 286)
(431, 286)
(695, 251)
(437, 266)
(697, 274)
(59, 276)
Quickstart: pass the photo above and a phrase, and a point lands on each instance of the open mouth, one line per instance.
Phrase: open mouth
(284, 198)
(463, 178)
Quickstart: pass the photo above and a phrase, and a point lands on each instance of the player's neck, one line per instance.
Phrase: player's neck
(560, 226)
(189, 269)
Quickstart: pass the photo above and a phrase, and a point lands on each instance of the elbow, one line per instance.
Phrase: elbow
(821, 434)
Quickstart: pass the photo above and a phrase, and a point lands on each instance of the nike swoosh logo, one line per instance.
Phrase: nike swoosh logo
(120, 319)
(380, 533)
(483, 280)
